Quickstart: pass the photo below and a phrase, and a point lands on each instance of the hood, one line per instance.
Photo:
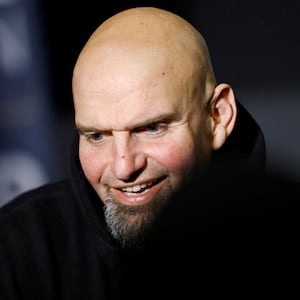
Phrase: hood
(245, 148)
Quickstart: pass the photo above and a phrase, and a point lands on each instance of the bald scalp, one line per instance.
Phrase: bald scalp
(148, 25)
(156, 33)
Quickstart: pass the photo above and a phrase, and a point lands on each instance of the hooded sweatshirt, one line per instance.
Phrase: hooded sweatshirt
(54, 243)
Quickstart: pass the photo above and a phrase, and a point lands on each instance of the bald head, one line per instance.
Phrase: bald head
(151, 37)
(150, 27)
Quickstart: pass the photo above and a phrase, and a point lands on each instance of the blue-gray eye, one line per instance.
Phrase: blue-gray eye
(153, 127)
(96, 136)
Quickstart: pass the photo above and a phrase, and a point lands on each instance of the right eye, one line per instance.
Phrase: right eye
(94, 137)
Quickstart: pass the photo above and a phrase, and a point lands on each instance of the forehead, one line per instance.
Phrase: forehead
(131, 102)
(128, 83)
(113, 65)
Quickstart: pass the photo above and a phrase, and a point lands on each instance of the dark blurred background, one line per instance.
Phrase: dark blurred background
(254, 46)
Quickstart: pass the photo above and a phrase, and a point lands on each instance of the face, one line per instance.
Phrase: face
(142, 132)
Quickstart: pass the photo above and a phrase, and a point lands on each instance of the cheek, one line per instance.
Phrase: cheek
(180, 155)
(91, 164)
(177, 158)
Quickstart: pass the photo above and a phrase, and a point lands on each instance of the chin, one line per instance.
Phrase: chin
(129, 224)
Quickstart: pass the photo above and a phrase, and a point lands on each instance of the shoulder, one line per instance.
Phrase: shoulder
(37, 206)
(41, 195)
(39, 222)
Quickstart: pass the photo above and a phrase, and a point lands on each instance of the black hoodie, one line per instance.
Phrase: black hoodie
(54, 243)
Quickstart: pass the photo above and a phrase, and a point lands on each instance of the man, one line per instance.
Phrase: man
(149, 113)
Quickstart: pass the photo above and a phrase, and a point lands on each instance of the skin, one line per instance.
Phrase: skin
(148, 111)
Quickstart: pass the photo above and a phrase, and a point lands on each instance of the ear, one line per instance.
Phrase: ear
(223, 112)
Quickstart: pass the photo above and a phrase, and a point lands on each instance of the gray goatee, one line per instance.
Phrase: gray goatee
(129, 224)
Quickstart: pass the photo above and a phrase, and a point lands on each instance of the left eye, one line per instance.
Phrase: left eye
(153, 127)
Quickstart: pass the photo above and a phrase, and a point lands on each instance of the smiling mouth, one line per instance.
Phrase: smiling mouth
(139, 188)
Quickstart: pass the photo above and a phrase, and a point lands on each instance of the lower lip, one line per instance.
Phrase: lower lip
(138, 198)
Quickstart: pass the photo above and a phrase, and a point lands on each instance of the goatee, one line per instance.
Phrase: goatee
(130, 224)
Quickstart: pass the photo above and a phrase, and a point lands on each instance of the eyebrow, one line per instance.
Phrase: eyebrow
(85, 129)
(160, 118)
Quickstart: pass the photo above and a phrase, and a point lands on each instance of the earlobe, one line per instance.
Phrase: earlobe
(219, 136)
(223, 114)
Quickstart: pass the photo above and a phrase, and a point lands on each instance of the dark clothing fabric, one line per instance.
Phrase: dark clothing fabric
(245, 148)
(51, 249)
(54, 243)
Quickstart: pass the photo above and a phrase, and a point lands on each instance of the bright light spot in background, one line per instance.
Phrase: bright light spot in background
(14, 49)
(5, 2)
(20, 171)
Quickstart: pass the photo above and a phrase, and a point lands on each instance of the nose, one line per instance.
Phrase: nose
(128, 161)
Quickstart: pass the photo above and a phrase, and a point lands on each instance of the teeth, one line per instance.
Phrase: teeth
(136, 188)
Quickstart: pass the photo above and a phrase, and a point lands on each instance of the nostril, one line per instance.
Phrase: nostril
(133, 176)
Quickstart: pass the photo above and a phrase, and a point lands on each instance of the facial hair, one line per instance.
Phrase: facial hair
(129, 224)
